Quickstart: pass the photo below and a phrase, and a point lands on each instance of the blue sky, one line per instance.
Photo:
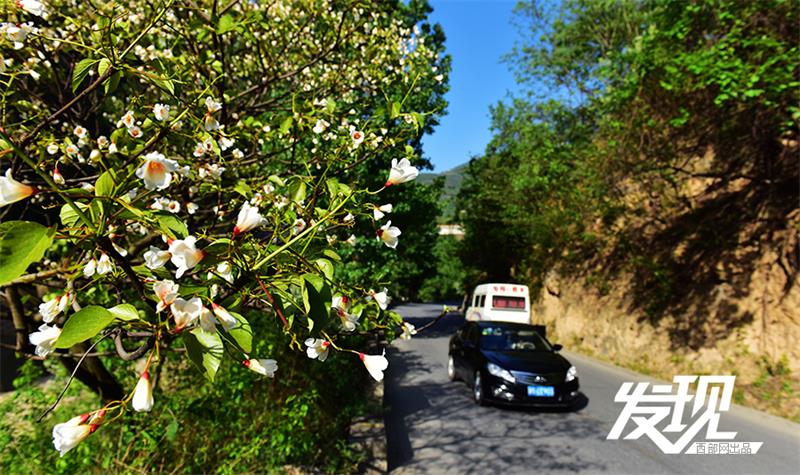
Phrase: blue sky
(478, 33)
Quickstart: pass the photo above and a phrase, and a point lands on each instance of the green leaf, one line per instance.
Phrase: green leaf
(316, 298)
(124, 311)
(326, 267)
(395, 110)
(286, 125)
(162, 83)
(225, 24)
(21, 243)
(68, 215)
(110, 85)
(242, 333)
(104, 186)
(205, 350)
(332, 254)
(103, 65)
(173, 227)
(243, 189)
(81, 71)
(298, 191)
(83, 325)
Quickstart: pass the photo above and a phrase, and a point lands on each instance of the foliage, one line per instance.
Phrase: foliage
(449, 281)
(651, 98)
(198, 170)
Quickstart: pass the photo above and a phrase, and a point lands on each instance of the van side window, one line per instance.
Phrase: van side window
(474, 300)
(482, 301)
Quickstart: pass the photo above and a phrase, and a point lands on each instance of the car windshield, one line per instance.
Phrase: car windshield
(512, 339)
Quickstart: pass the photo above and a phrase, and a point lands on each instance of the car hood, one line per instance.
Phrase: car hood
(530, 361)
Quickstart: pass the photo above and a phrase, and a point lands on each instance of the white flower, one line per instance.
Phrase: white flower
(186, 312)
(225, 143)
(375, 364)
(191, 208)
(381, 297)
(127, 120)
(317, 348)
(34, 7)
(199, 151)
(299, 226)
(69, 434)
(58, 178)
(135, 132)
(320, 126)
(161, 111)
(357, 136)
(224, 270)
(155, 258)
(52, 149)
(173, 206)
(224, 317)
(210, 123)
(12, 191)
(263, 366)
(90, 268)
(249, 218)
(408, 331)
(44, 339)
(155, 171)
(212, 105)
(120, 250)
(102, 141)
(351, 240)
(388, 234)
(52, 308)
(142, 400)
(185, 255)
(378, 212)
(348, 218)
(104, 265)
(167, 292)
(401, 172)
(80, 131)
(207, 320)
(349, 321)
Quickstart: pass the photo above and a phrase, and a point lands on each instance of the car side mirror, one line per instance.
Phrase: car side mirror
(557, 347)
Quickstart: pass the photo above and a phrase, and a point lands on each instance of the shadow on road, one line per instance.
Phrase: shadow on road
(433, 425)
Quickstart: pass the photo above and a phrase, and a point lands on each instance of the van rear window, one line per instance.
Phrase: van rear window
(508, 303)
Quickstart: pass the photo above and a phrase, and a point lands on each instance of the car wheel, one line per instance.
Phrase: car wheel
(477, 390)
(451, 369)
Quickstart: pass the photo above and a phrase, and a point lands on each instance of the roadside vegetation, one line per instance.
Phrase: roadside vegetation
(654, 159)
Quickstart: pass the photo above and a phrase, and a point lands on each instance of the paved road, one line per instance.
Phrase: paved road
(432, 425)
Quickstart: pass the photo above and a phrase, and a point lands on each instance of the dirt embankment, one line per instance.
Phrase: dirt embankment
(705, 286)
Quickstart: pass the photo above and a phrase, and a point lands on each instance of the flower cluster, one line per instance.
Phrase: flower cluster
(186, 194)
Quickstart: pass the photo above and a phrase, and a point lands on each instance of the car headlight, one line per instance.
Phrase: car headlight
(572, 373)
(500, 372)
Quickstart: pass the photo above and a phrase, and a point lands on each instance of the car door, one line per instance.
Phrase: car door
(471, 354)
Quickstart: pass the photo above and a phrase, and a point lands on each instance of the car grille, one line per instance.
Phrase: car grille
(524, 377)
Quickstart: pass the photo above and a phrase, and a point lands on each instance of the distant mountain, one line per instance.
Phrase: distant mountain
(452, 183)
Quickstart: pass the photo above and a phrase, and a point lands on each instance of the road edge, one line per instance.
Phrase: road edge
(368, 434)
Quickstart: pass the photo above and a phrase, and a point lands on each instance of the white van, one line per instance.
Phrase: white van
(500, 303)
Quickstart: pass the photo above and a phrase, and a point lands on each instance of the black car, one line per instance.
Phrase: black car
(511, 363)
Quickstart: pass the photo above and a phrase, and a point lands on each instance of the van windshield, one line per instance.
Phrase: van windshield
(512, 339)
(502, 302)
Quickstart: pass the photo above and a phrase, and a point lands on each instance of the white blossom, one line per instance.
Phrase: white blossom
(401, 172)
(317, 348)
(12, 191)
(375, 364)
(142, 400)
(44, 339)
(388, 234)
(184, 254)
(263, 366)
(156, 171)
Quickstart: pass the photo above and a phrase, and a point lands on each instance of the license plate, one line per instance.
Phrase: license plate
(541, 391)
